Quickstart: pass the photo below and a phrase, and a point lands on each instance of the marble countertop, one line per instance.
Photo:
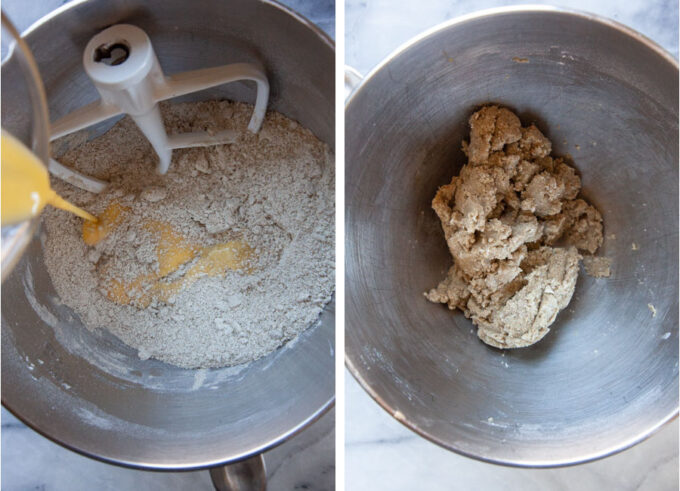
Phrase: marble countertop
(380, 453)
(31, 462)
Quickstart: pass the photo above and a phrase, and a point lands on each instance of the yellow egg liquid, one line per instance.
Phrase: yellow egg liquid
(26, 191)
(95, 232)
(26, 185)
(173, 251)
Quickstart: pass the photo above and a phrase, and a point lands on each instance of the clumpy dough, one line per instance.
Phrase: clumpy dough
(514, 225)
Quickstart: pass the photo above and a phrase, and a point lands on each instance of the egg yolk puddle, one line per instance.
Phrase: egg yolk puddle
(173, 249)
(172, 252)
(26, 185)
(95, 232)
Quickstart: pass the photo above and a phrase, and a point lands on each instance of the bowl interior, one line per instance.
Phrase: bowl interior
(607, 373)
(88, 390)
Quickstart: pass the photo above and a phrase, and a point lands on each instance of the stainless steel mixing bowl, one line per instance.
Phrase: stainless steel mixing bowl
(606, 376)
(90, 392)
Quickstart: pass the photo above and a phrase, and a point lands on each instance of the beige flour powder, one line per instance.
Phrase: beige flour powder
(269, 197)
(503, 218)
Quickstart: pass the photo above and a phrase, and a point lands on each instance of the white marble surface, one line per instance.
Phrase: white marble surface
(31, 462)
(380, 453)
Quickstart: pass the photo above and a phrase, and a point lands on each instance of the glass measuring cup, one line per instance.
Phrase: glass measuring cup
(26, 119)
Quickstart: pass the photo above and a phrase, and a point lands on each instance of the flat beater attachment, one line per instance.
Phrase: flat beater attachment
(123, 66)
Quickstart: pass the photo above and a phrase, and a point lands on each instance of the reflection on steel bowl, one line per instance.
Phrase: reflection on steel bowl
(606, 376)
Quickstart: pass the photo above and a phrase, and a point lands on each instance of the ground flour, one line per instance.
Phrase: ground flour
(273, 191)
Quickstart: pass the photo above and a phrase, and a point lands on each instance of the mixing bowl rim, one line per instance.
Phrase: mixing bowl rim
(350, 364)
(531, 464)
(514, 9)
(193, 466)
(203, 464)
(274, 3)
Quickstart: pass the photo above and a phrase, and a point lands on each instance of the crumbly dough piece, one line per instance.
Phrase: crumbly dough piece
(503, 218)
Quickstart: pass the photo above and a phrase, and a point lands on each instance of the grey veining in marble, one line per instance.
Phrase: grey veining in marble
(31, 462)
(380, 453)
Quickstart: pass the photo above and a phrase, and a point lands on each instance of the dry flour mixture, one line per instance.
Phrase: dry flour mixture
(219, 262)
